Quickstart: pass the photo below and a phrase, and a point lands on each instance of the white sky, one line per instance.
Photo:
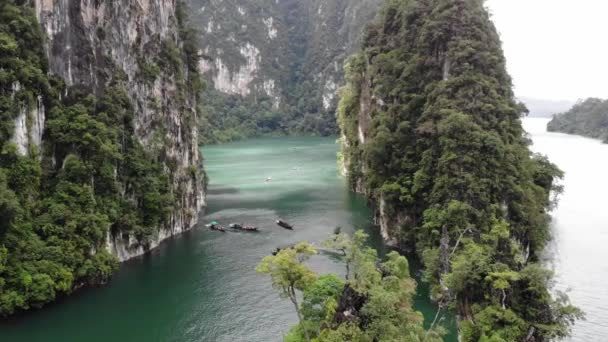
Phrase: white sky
(555, 49)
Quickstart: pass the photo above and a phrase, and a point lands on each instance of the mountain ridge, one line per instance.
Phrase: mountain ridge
(275, 66)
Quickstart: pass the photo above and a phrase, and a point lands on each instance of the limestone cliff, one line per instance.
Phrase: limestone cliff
(99, 111)
(87, 43)
(281, 57)
(432, 135)
(23, 137)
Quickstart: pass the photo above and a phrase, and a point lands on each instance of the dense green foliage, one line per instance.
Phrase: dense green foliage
(232, 117)
(311, 42)
(374, 303)
(92, 177)
(587, 118)
(444, 151)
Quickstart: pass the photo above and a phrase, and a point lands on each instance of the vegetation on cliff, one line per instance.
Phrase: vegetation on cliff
(281, 63)
(374, 303)
(588, 118)
(432, 134)
(91, 176)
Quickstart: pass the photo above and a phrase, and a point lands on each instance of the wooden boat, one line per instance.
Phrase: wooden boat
(238, 226)
(284, 224)
(218, 228)
(215, 226)
(250, 228)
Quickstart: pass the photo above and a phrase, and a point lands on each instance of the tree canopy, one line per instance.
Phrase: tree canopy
(432, 134)
(374, 303)
(89, 178)
(587, 118)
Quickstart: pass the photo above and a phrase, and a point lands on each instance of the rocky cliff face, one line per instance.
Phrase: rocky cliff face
(288, 52)
(88, 43)
(25, 137)
(354, 137)
(242, 38)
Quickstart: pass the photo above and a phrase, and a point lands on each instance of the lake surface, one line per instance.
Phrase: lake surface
(202, 286)
(579, 252)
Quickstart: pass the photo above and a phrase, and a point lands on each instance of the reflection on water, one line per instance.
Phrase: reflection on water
(579, 252)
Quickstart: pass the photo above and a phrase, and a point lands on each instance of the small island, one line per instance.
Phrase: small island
(588, 118)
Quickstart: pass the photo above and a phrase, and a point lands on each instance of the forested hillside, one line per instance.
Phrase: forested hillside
(274, 67)
(588, 118)
(95, 166)
(432, 135)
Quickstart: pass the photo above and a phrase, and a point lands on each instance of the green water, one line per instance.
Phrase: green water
(202, 286)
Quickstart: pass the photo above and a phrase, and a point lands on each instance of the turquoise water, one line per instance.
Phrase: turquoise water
(202, 286)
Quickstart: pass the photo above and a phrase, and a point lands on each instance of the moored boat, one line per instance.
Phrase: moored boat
(215, 226)
(243, 227)
(250, 228)
(284, 224)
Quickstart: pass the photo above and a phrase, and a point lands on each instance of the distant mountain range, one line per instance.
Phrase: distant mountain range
(540, 108)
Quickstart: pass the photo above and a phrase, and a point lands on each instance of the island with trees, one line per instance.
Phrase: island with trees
(588, 118)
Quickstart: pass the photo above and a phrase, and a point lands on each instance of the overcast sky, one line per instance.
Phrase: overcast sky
(556, 49)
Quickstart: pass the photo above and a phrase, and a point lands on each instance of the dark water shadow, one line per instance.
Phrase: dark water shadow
(222, 190)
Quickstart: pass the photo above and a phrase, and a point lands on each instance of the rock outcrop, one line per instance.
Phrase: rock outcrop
(88, 43)
(290, 52)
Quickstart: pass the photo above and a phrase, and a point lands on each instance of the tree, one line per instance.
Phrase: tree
(356, 256)
(387, 288)
(588, 118)
(432, 135)
(375, 304)
(320, 302)
(90, 177)
(289, 274)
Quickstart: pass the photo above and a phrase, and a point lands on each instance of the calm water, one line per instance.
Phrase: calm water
(579, 253)
(202, 286)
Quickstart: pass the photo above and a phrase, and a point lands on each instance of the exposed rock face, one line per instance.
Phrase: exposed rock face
(240, 39)
(239, 82)
(286, 50)
(88, 42)
(385, 217)
(29, 125)
(389, 219)
(390, 222)
(350, 305)
(20, 135)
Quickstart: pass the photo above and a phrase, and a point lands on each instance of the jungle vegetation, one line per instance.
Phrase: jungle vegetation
(588, 118)
(89, 178)
(432, 134)
(373, 303)
(303, 58)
